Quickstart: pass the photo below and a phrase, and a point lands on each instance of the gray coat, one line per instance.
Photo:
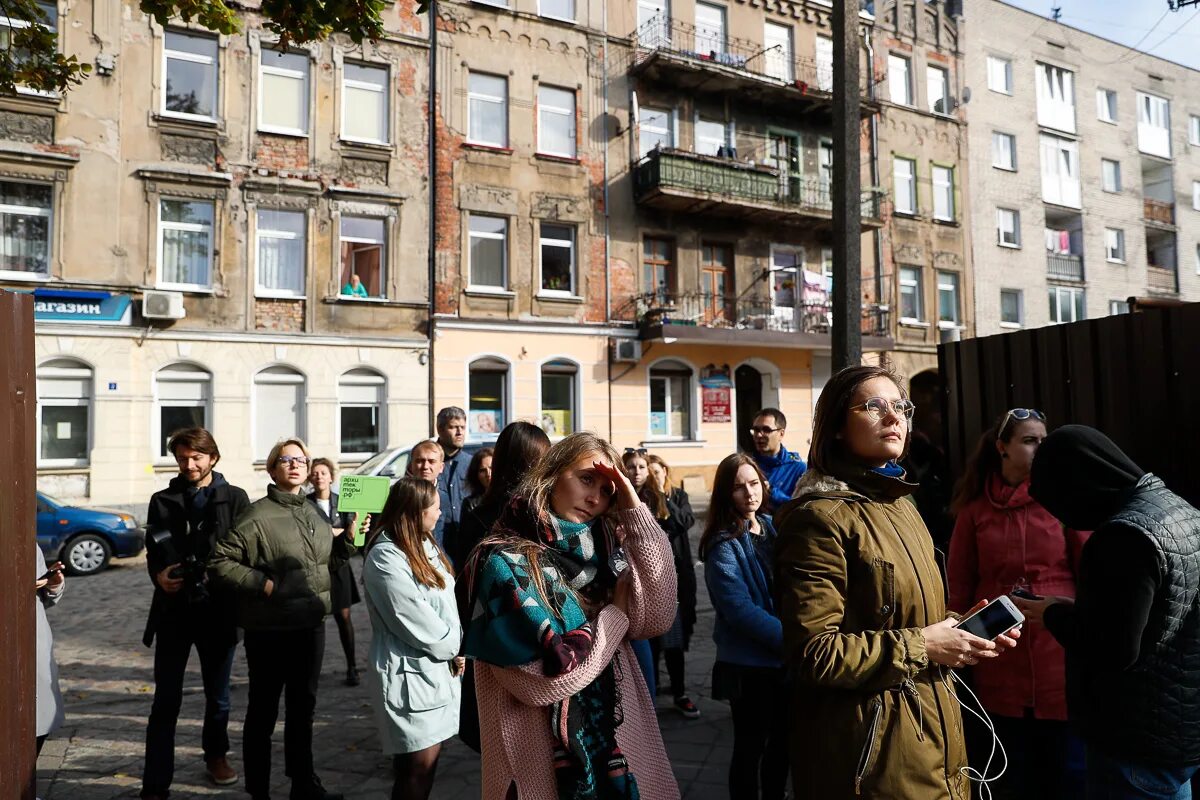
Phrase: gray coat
(416, 634)
(49, 699)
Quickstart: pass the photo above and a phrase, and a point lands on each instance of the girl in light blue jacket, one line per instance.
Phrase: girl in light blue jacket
(415, 670)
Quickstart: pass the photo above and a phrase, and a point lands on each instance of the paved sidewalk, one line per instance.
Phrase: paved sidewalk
(107, 681)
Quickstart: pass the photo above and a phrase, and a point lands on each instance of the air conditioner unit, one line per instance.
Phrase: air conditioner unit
(163, 305)
(627, 351)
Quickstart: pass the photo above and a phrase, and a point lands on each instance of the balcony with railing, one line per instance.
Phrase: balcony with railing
(1161, 280)
(748, 319)
(689, 59)
(1158, 211)
(679, 180)
(1064, 267)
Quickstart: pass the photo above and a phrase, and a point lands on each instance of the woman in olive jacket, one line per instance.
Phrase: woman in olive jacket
(865, 628)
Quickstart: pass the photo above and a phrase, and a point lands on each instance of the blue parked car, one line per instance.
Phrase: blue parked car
(84, 539)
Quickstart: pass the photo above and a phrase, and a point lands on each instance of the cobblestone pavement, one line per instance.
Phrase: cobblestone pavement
(107, 682)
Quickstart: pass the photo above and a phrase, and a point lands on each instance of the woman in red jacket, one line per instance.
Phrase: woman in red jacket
(1004, 540)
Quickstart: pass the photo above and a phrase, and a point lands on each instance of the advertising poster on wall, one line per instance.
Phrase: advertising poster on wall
(716, 390)
(555, 422)
(485, 422)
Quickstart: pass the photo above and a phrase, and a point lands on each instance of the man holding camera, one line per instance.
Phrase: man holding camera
(183, 522)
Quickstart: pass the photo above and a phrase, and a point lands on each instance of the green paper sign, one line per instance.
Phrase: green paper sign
(366, 494)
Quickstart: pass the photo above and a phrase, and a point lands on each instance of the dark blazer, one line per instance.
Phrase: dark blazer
(168, 510)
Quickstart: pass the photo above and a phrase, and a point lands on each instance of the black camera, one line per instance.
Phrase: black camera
(161, 545)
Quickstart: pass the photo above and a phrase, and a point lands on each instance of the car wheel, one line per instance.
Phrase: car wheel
(86, 554)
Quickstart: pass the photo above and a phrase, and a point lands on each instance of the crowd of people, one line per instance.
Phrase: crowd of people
(523, 597)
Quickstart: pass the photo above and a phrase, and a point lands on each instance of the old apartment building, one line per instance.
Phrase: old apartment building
(1085, 172)
(923, 270)
(218, 233)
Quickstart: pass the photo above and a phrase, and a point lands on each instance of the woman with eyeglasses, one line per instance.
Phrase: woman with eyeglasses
(1005, 540)
(671, 519)
(275, 564)
(866, 634)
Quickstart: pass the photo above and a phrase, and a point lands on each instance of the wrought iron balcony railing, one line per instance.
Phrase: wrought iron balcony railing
(1064, 267)
(703, 309)
(742, 182)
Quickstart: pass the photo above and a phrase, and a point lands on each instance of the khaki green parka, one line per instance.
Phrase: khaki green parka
(857, 580)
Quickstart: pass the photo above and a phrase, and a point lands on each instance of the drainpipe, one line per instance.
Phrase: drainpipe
(433, 187)
(608, 341)
(877, 235)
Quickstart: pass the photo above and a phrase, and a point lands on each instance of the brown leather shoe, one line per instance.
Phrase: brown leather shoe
(220, 772)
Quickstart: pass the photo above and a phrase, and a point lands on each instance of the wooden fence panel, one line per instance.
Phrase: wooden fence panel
(18, 643)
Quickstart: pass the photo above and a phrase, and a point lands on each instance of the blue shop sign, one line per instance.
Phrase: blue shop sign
(81, 308)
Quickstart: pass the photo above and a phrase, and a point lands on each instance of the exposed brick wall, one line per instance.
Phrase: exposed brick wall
(282, 153)
(449, 219)
(624, 283)
(279, 315)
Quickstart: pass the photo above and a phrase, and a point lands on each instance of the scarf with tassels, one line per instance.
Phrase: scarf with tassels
(508, 622)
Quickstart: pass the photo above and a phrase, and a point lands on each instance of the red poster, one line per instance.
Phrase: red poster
(715, 404)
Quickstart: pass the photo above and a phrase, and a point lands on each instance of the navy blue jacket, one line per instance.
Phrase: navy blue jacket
(737, 571)
(453, 481)
(783, 471)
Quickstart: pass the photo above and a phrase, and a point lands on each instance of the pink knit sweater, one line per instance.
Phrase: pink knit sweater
(513, 720)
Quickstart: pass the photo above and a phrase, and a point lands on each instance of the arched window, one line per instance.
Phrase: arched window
(559, 414)
(361, 397)
(278, 407)
(183, 399)
(487, 403)
(671, 394)
(64, 410)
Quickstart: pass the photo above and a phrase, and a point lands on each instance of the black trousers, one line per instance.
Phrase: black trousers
(1037, 751)
(760, 734)
(287, 663)
(172, 648)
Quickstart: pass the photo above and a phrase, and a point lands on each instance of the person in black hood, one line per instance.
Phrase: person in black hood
(1132, 635)
(182, 523)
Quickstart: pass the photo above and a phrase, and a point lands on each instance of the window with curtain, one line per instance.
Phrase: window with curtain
(655, 129)
(190, 89)
(912, 295)
(281, 252)
(278, 408)
(488, 251)
(1008, 227)
(185, 242)
(283, 92)
(363, 243)
(712, 136)
(64, 411)
(999, 74)
(557, 246)
(670, 400)
(943, 193)
(362, 394)
(559, 415)
(1110, 175)
(778, 51)
(487, 109)
(1114, 245)
(556, 121)
(899, 79)
(1011, 311)
(26, 217)
(1004, 151)
(365, 103)
(904, 177)
(948, 314)
(183, 399)
(1055, 97)
(487, 404)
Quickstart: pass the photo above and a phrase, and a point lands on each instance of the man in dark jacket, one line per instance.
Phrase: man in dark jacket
(1132, 635)
(782, 467)
(183, 522)
(452, 435)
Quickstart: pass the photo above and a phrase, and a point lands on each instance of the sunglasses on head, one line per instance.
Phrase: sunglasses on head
(640, 451)
(1020, 415)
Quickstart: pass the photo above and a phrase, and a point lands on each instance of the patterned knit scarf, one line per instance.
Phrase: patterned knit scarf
(507, 622)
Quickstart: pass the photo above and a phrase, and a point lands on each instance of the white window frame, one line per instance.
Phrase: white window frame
(178, 372)
(542, 12)
(562, 365)
(1196, 195)
(1020, 320)
(779, 63)
(384, 264)
(1103, 112)
(190, 227)
(547, 112)
(1001, 68)
(1198, 258)
(33, 211)
(361, 376)
(939, 77)
(1154, 124)
(1015, 215)
(1194, 130)
(1116, 307)
(1011, 139)
(261, 290)
(503, 239)
(944, 207)
(58, 369)
(1108, 165)
(714, 36)
(570, 246)
(277, 374)
(726, 128)
(1114, 242)
(474, 96)
(916, 284)
(899, 75)
(823, 55)
(193, 58)
(1055, 97)
(283, 72)
(669, 133)
(1061, 182)
(690, 392)
(910, 206)
(1058, 291)
(365, 86)
(16, 24)
(949, 282)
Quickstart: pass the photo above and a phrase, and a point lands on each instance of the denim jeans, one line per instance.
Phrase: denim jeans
(1116, 779)
(172, 648)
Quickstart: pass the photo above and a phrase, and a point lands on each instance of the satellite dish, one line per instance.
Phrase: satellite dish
(966, 95)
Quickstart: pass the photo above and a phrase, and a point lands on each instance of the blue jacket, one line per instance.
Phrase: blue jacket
(737, 571)
(783, 471)
(453, 481)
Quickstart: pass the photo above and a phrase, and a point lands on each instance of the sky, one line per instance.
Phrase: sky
(1173, 35)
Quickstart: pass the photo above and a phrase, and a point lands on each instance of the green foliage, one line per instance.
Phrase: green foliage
(29, 54)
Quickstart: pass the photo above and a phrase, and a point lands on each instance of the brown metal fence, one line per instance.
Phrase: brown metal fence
(1134, 376)
(18, 645)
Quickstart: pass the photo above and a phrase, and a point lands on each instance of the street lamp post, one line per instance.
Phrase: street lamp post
(847, 189)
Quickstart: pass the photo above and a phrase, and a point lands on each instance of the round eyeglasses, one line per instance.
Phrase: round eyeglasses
(879, 407)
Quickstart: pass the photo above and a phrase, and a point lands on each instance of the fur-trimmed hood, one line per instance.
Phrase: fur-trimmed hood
(818, 483)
